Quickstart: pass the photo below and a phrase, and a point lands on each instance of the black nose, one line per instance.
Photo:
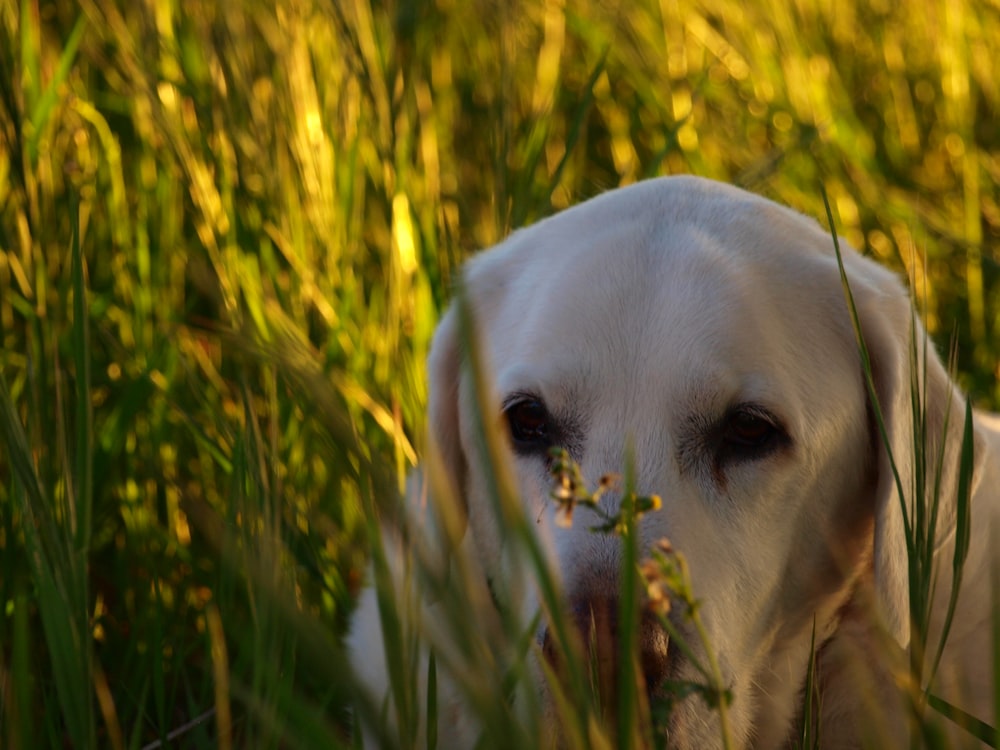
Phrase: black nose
(596, 620)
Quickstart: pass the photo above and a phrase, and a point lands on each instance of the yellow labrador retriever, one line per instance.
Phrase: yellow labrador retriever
(707, 329)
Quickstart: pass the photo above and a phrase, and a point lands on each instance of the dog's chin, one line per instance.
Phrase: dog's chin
(693, 721)
(693, 727)
(678, 701)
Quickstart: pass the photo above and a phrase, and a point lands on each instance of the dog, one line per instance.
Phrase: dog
(700, 338)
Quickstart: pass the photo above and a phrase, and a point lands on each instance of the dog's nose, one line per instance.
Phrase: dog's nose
(596, 619)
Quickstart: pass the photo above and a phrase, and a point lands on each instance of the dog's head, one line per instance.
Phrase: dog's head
(701, 333)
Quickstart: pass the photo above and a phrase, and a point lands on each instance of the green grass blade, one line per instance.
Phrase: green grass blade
(41, 109)
(432, 703)
(396, 638)
(83, 487)
(810, 731)
(630, 713)
(976, 727)
(995, 626)
(510, 515)
(963, 532)
(61, 600)
(577, 122)
(20, 730)
(866, 365)
(18, 453)
(31, 73)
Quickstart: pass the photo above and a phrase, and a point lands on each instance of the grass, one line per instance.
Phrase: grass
(921, 500)
(227, 231)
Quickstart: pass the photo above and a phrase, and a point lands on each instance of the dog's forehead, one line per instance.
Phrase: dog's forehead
(675, 227)
(674, 278)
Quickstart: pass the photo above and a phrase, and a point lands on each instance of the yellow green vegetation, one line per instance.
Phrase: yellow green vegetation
(227, 230)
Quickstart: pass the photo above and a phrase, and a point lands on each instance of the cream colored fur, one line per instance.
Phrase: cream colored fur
(643, 317)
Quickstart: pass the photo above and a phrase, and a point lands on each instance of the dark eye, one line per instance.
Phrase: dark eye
(749, 433)
(530, 424)
(748, 430)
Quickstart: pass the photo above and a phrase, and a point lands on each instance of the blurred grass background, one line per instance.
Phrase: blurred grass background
(227, 231)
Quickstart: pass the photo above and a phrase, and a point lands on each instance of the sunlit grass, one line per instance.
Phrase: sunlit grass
(226, 233)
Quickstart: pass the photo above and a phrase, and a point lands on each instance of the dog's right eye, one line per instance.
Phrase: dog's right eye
(530, 425)
(749, 433)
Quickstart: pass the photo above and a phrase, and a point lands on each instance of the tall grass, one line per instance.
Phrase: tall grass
(226, 231)
(920, 508)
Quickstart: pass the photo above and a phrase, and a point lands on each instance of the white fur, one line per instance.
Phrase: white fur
(654, 308)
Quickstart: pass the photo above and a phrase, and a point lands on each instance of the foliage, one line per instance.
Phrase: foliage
(227, 230)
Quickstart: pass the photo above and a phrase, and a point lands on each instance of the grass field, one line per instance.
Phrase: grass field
(227, 231)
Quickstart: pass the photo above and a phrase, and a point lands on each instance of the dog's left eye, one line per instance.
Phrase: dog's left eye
(530, 425)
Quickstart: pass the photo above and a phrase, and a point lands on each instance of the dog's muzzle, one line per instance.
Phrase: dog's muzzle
(596, 621)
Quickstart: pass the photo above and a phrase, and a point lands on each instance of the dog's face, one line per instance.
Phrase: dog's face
(698, 337)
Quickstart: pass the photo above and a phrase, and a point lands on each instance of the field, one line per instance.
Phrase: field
(228, 229)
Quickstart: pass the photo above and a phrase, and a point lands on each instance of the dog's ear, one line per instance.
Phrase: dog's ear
(446, 463)
(905, 366)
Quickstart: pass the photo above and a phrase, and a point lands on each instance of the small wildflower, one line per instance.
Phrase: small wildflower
(664, 546)
(564, 515)
(646, 504)
(563, 490)
(569, 490)
(657, 588)
(607, 482)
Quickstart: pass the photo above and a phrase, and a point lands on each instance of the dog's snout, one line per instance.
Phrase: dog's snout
(596, 620)
(653, 651)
